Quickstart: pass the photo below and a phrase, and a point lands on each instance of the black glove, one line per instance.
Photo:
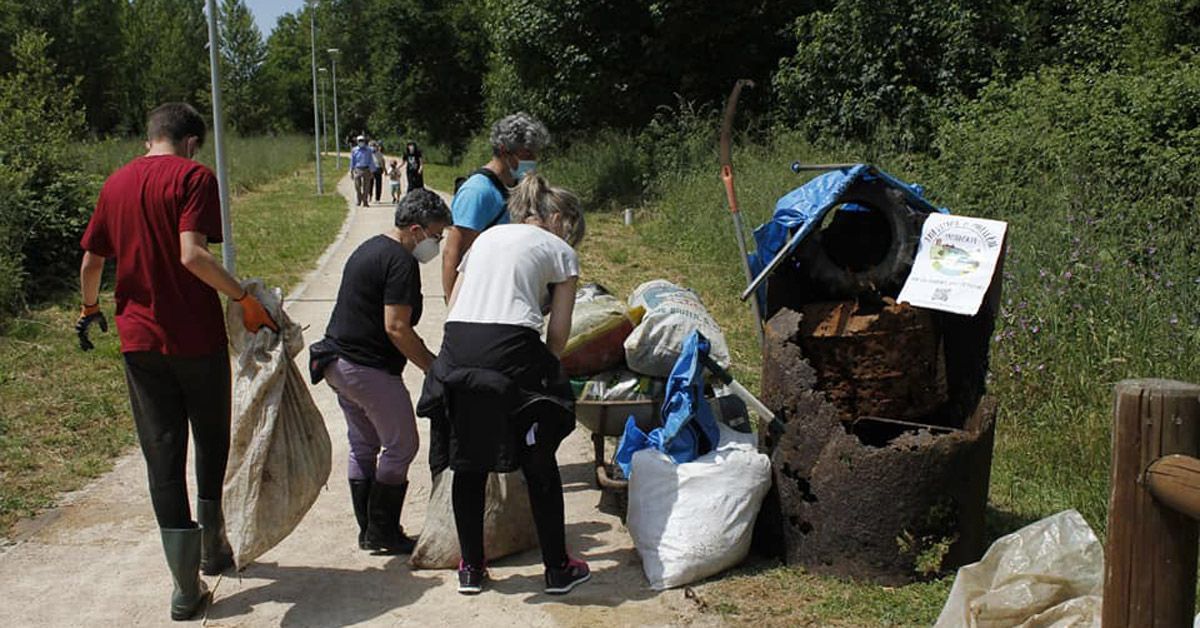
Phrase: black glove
(88, 315)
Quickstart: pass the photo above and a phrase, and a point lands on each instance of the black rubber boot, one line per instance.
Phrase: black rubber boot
(384, 532)
(182, 547)
(215, 554)
(360, 496)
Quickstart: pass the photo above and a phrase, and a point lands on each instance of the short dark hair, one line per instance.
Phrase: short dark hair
(422, 207)
(175, 121)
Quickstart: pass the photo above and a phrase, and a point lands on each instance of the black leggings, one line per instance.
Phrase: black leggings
(545, 499)
(166, 393)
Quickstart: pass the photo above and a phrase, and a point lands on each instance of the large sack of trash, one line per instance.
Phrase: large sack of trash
(279, 452)
(671, 314)
(600, 323)
(507, 522)
(692, 520)
(1048, 574)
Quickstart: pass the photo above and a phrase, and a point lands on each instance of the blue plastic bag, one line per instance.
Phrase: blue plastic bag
(689, 429)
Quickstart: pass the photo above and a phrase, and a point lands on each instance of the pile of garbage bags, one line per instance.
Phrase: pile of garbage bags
(695, 484)
(643, 337)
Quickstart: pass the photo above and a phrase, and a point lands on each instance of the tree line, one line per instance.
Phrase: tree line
(897, 76)
(438, 69)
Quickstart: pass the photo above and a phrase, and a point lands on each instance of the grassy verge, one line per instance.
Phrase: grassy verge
(253, 161)
(64, 415)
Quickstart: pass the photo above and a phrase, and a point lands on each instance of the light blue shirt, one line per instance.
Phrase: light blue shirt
(362, 157)
(477, 204)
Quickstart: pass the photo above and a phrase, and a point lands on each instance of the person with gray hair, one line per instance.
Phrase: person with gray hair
(370, 338)
(482, 200)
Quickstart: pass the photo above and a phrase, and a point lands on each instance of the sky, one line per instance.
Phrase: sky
(266, 12)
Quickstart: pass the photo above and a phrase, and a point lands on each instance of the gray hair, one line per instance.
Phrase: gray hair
(422, 207)
(517, 131)
(535, 198)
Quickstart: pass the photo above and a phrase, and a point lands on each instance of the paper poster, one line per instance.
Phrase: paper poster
(955, 262)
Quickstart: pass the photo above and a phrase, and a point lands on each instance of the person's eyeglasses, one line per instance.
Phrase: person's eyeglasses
(436, 238)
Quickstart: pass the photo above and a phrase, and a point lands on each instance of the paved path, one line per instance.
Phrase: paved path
(97, 560)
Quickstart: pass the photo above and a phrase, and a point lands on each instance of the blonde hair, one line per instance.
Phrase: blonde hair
(534, 197)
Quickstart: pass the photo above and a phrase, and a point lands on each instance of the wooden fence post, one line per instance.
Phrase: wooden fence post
(1150, 556)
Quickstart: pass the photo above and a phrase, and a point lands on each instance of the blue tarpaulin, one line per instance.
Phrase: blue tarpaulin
(805, 207)
(689, 428)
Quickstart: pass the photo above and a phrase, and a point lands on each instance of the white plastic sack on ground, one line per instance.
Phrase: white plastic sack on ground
(671, 315)
(1047, 574)
(692, 520)
(279, 453)
(507, 522)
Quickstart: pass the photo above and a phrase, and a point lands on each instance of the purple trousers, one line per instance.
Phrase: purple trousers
(380, 423)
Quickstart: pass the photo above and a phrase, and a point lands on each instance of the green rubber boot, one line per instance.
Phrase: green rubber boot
(182, 547)
(215, 554)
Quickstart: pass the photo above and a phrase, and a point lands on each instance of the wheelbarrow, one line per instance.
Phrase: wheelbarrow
(608, 418)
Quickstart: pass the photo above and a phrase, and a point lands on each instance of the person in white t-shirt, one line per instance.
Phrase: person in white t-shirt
(496, 388)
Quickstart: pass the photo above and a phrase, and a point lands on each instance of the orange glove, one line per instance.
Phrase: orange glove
(89, 314)
(254, 315)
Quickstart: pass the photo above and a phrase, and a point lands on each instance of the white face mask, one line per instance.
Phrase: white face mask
(426, 250)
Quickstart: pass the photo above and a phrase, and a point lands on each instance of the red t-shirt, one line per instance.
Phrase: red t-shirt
(143, 207)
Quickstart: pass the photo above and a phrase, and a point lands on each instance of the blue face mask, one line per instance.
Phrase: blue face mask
(524, 166)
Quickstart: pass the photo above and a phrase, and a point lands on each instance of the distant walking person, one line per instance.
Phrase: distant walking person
(362, 159)
(482, 200)
(377, 167)
(372, 333)
(414, 166)
(157, 215)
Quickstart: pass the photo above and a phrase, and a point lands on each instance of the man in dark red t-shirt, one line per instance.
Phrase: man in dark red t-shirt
(156, 217)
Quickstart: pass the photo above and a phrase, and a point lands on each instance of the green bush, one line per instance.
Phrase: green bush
(1095, 174)
(44, 197)
(605, 170)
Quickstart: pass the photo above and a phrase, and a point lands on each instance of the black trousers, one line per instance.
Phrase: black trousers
(416, 180)
(540, 467)
(378, 177)
(167, 394)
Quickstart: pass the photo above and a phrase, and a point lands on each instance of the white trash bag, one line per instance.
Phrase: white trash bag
(672, 313)
(1048, 574)
(507, 522)
(279, 453)
(689, 521)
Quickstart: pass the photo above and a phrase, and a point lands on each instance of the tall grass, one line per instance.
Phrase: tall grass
(252, 161)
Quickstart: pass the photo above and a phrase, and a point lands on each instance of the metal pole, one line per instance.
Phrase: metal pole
(337, 135)
(218, 121)
(324, 118)
(312, 23)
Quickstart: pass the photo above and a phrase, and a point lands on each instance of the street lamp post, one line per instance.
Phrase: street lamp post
(324, 118)
(312, 24)
(214, 61)
(337, 136)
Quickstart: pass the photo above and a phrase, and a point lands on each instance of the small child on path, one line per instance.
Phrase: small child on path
(394, 173)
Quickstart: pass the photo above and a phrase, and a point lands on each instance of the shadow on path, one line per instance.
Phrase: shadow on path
(344, 597)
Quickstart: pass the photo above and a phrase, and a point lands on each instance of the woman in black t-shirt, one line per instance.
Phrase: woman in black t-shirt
(414, 166)
(372, 332)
